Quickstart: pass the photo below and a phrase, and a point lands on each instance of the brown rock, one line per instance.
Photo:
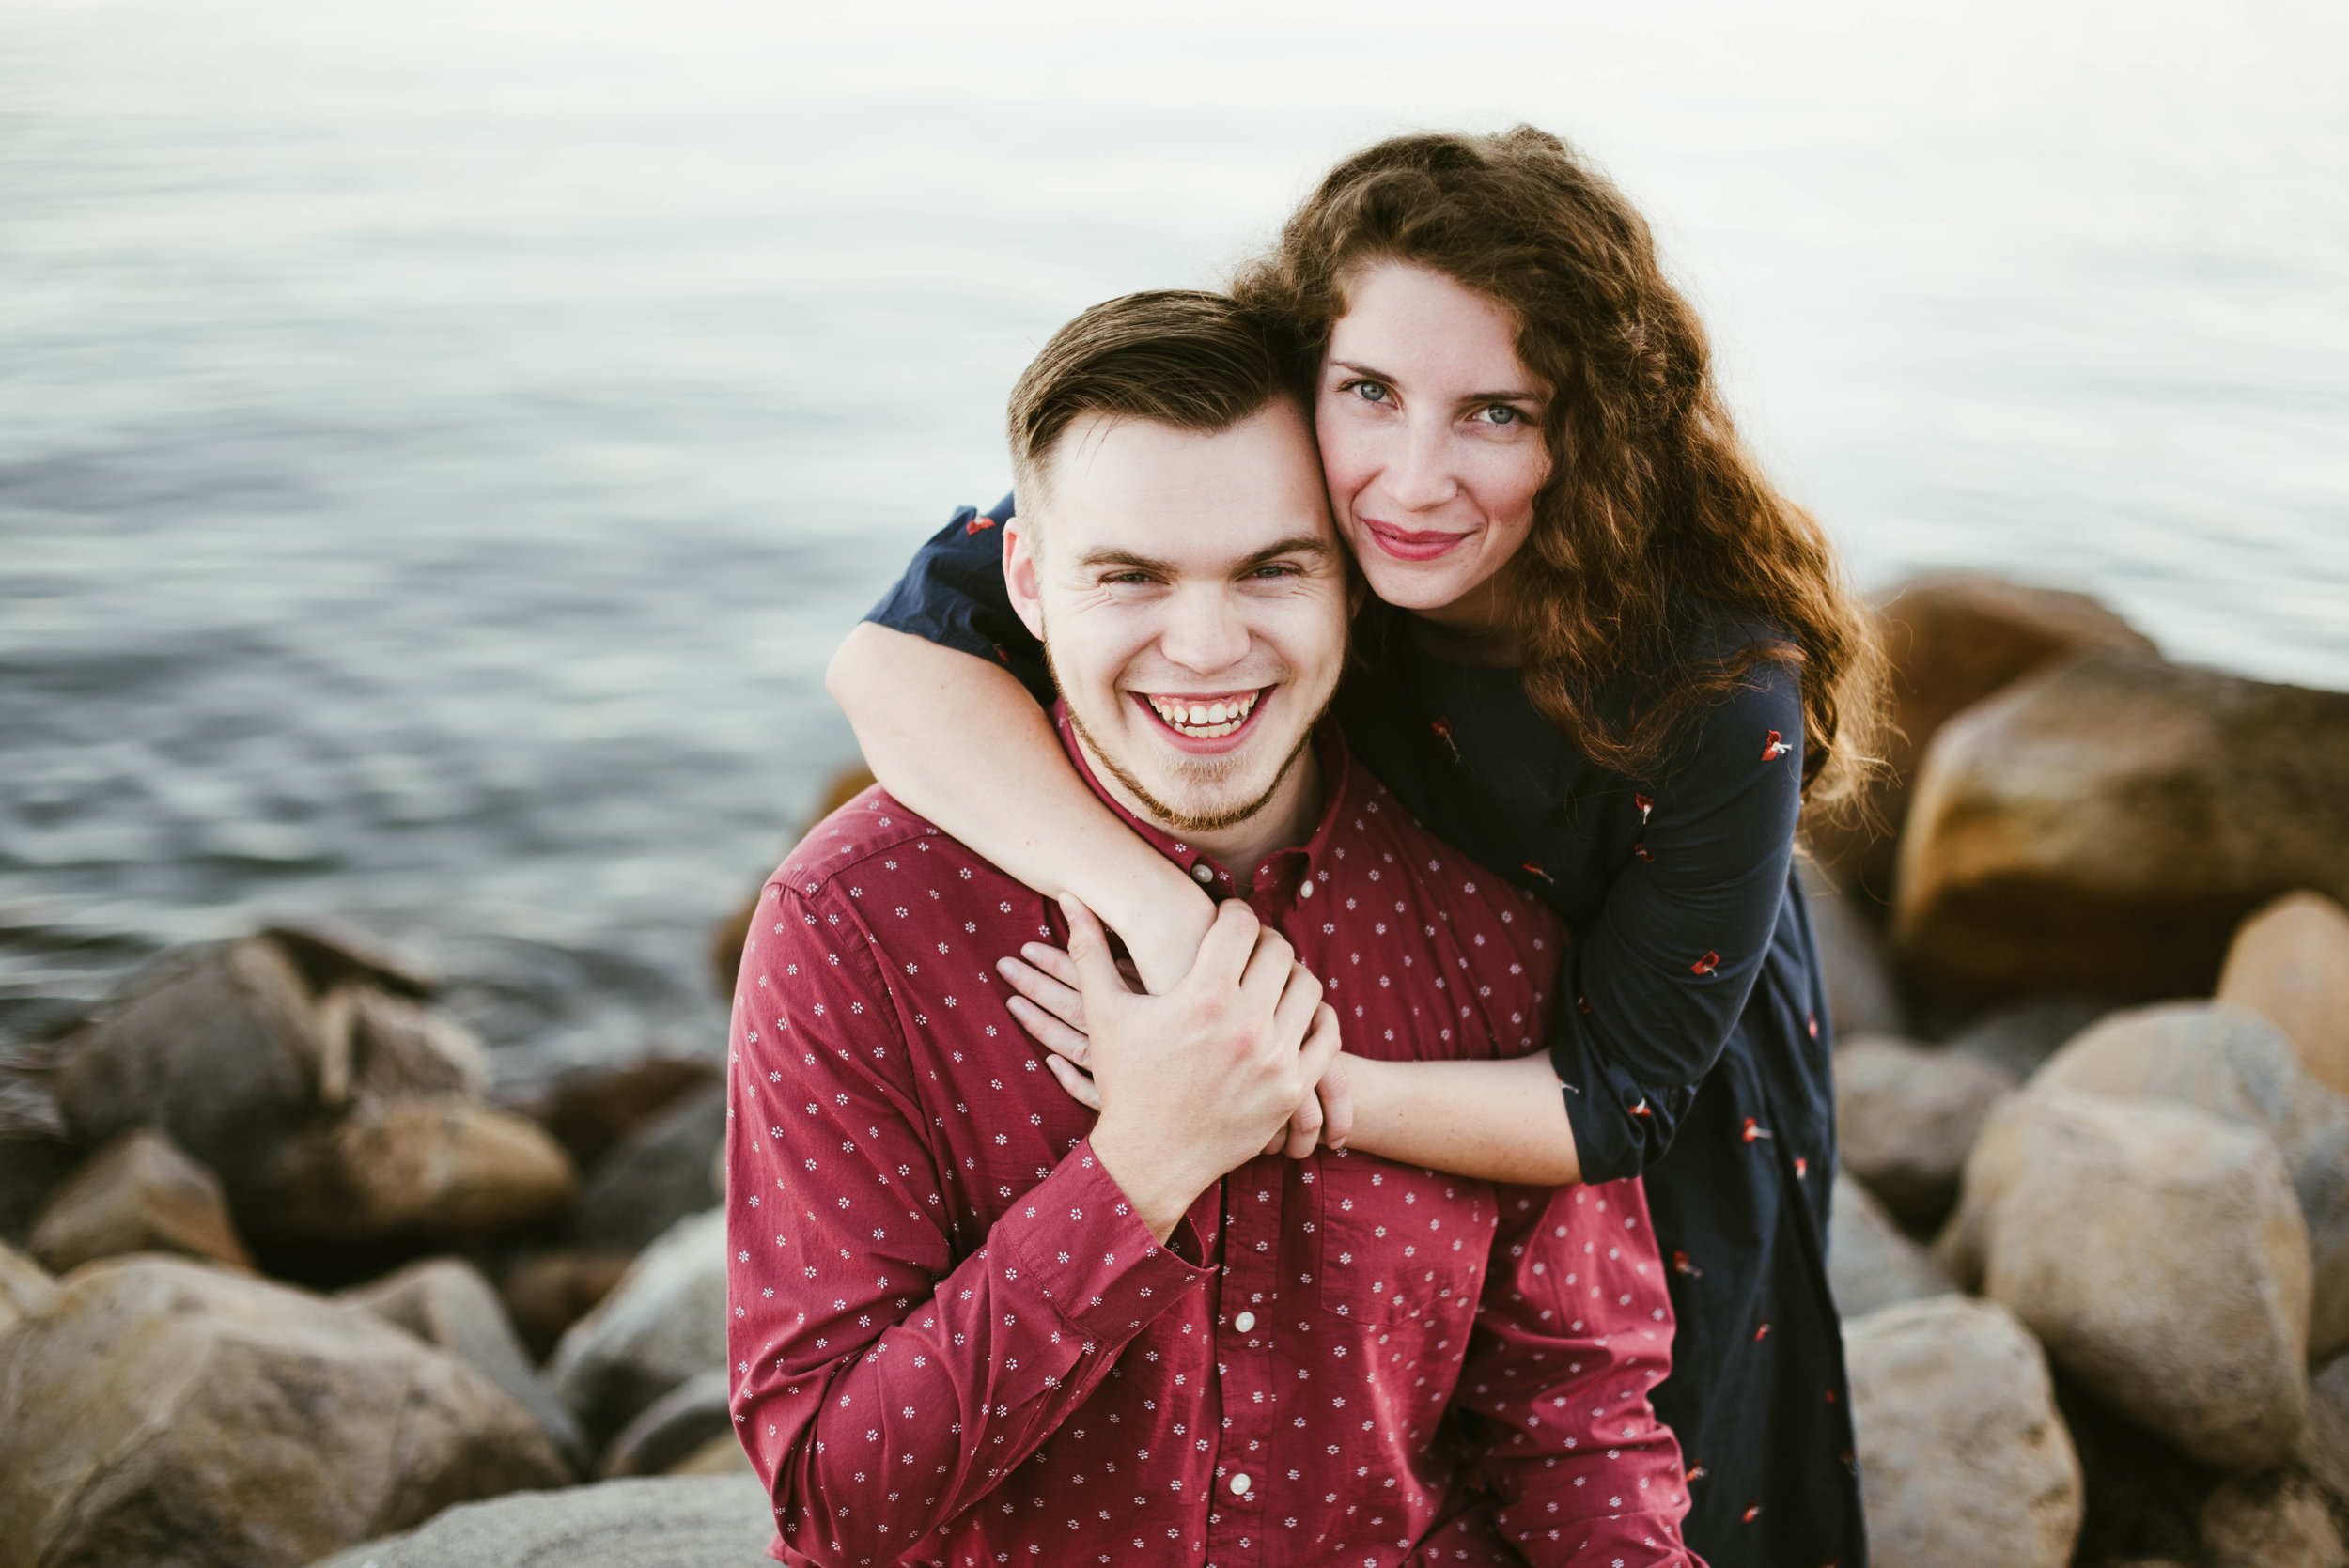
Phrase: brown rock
(590, 1111)
(445, 1301)
(159, 1411)
(1854, 960)
(2290, 961)
(1952, 639)
(442, 1168)
(219, 1046)
(1870, 1264)
(138, 1194)
(389, 1046)
(1963, 1458)
(2158, 1254)
(2323, 1451)
(30, 1169)
(2107, 822)
(25, 1287)
(328, 959)
(2234, 1063)
(1906, 1115)
(548, 1292)
(2276, 1520)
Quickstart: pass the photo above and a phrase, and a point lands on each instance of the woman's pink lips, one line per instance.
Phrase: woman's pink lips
(1407, 544)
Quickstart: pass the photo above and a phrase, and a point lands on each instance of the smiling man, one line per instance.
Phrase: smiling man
(972, 1322)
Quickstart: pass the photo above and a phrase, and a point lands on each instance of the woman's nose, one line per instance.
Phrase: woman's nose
(1419, 475)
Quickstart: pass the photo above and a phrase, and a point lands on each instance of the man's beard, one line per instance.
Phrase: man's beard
(1209, 772)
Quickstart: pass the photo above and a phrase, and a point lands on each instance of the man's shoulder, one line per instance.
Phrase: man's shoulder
(874, 845)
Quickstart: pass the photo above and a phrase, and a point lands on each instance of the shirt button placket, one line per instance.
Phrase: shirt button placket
(1251, 1243)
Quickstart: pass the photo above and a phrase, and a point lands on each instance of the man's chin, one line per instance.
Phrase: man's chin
(1198, 795)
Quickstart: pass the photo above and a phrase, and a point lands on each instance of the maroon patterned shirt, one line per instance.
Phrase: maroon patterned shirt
(954, 1343)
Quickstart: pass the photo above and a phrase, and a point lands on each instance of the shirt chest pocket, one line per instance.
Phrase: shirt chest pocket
(1396, 1243)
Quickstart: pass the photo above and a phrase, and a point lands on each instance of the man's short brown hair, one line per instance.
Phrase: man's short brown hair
(1176, 356)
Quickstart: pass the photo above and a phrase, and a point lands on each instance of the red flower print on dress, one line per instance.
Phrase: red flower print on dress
(1681, 1266)
(1641, 849)
(979, 524)
(1443, 727)
(1774, 748)
(1646, 804)
(1539, 872)
(1753, 1130)
(1707, 964)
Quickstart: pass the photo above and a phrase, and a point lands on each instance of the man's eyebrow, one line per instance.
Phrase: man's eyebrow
(1367, 373)
(1124, 558)
(1295, 544)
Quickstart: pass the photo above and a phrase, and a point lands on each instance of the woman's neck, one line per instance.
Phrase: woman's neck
(1472, 629)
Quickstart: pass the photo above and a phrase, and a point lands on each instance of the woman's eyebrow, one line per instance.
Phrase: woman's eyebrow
(1367, 373)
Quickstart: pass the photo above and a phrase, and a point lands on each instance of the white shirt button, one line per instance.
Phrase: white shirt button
(1204, 872)
(1240, 1484)
(1244, 1322)
(1305, 890)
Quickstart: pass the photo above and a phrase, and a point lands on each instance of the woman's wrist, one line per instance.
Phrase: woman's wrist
(1161, 918)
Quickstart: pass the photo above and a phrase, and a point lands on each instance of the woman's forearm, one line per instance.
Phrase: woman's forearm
(1495, 1121)
(961, 743)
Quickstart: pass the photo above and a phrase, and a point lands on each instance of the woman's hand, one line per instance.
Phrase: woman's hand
(1050, 1007)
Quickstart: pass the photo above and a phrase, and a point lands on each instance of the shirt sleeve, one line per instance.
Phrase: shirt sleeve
(889, 1372)
(1574, 1330)
(1653, 986)
(953, 595)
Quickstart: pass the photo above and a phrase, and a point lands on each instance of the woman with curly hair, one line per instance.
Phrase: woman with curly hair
(1603, 657)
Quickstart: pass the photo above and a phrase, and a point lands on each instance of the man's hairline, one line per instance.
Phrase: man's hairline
(1033, 473)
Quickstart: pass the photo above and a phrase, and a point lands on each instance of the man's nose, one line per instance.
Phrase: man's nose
(1419, 474)
(1204, 631)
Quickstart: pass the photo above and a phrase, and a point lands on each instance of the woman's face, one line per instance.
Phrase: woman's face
(1431, 438)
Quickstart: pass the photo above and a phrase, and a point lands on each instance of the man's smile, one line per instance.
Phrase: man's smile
(1205, 723)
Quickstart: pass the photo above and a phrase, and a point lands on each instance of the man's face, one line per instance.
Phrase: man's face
(1191, 599)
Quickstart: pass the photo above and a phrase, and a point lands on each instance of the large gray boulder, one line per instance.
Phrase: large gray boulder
(1870, 1264)
(665, 1321)
(446, 1302)
(695, 1522)
(673, 1428)
(443, 1169)
(154, 1411)
(2106, 824)
(1963, 1458)
(2234, 1063)
(220, 1046)
(2290, 963)
(660, 1173)
(1906, 1115)
(138, 1194)
(2158, 1254)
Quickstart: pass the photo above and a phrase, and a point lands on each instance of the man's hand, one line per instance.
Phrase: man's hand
(1199, 1081)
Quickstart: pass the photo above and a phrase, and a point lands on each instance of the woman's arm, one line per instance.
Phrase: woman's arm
(962, 743)
(1495, 1121)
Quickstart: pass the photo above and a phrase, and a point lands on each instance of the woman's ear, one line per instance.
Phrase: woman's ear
(1019, 574)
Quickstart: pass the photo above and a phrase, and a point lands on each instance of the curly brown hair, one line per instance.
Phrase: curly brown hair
(1651, 497)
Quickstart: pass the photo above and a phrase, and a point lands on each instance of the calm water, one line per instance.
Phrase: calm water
(440, 443)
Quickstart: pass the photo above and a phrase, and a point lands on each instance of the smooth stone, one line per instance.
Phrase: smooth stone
(590, 1111)
(1854, 959)
(25, 1287)
(443, 1169)
(673, 1427)
(546, 1292)
(2278, 1520)
(2159, 1255)
(2105, 823)
(140, 1193)
(1906, 1115)
(660, 1173)
(446, 1302)
(385, 1046)
(721, 1455)
(157, 1410)
(2019, 1037)
(2323, 1451)
(1950, 639)
(2290, 963)
(664, 1522)
(328, 958)
(2144, 1495)
(219, 1046)
(2235, 1063)
(1963, 1457)
(1870, 1264)
(665, 1321)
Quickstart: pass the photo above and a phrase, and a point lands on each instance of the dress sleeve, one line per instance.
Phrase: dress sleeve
(953, 595)
(1656, 984)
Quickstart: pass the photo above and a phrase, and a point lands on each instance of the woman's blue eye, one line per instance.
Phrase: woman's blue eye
(1369, 391)
(1502, 413)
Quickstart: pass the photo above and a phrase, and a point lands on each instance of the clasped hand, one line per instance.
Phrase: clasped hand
(1238, 1059)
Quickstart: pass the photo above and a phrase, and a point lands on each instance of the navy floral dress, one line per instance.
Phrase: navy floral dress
(1694, 1042)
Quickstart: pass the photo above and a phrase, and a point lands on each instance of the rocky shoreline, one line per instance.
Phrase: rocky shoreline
(281, 1285)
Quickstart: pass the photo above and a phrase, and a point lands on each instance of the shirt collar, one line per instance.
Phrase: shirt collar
(1282, 872)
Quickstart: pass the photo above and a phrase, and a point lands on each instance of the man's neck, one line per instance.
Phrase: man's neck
(1287, 817)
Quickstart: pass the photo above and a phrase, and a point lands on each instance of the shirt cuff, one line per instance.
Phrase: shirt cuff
(1089, 1254)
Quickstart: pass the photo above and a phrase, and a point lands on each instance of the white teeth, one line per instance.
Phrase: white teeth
(1204, 721)
(1198, 714)
(1215, 713)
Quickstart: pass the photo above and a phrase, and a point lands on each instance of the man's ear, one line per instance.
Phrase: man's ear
(1019, 574)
